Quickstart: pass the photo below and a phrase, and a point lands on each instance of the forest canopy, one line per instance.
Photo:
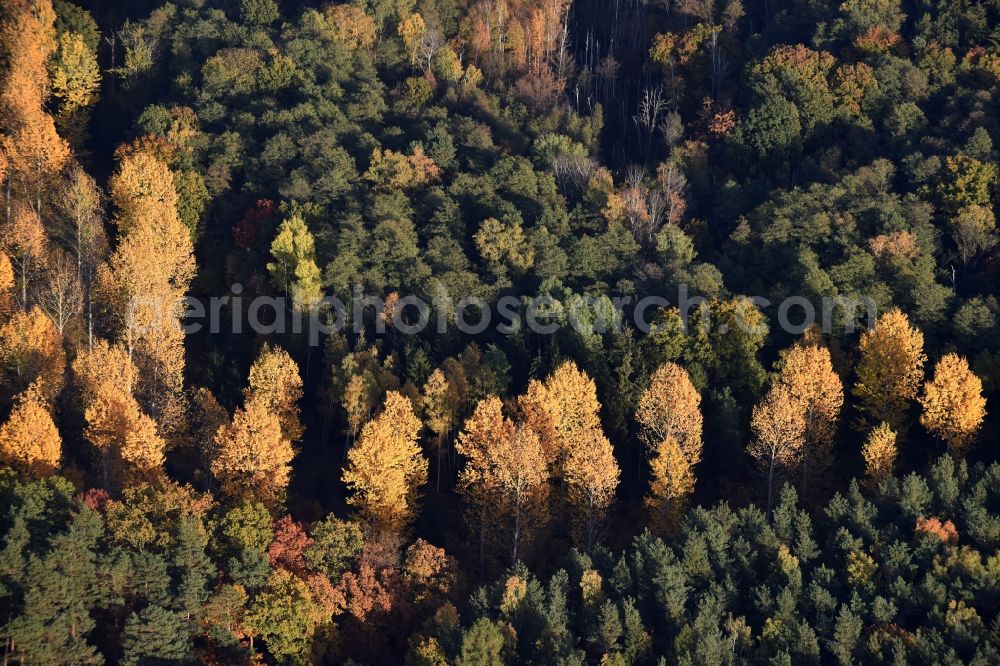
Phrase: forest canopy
(789, 459)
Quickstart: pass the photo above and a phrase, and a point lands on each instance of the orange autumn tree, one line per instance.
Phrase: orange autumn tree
(386, 468)
(891, 367)
(807, 371)
(252, 457)
(30, 349)
(25, 243)
(505, 475)
(953, 403)
(127, 439)
(29, 440)
(779, 428)
(275, 381)
(145, 279)
(34, 151)
(591, 475)
(879, 452)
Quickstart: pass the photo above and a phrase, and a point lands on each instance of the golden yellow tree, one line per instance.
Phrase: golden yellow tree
(953, 403)
(127, 439)
(439, 413)
(505, 475)
(34, 150)
(779, 427)
(807, 371)
(31, 348)
(25, 242)
(252, 455)
(891, 367)
(671, 408)
(879, 452)
(144, 281)
(386, 469)
(591, 475)
(274, 379)
(7, 283)
(671, 485)
(563, 410)
(29, 440)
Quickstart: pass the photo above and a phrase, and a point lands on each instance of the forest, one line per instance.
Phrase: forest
(789, 457)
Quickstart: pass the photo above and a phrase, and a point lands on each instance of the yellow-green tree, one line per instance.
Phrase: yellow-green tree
(385, 467)
(953, 403)
(891, 367)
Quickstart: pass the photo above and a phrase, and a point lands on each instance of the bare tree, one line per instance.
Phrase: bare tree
(59, 294)
(652, 105)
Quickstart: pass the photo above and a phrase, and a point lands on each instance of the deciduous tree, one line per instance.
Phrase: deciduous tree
(252, 456)
(879, 452)
(275, 381)
(779, 428)
(385, 467)
(891, 367)
(953, 403)
(29, 439)
(670, 407)
(672, 483)
(807, 371)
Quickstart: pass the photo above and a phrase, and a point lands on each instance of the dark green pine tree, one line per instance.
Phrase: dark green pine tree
(59, 594)
(192, 569)
(155, 636)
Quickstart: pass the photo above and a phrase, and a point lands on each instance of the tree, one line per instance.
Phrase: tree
(779, 428)
(807, 371)
(76, 82)
(253, 457)
(591, 476)
(294, 268)
(31, 349)
(385, 467)
(285, 615)
(953, 403)
(29, 440)
(127, 439)
(351, 25)
(563, 411)
(60, 296)
(155, 633)
(440, 413)
(672, 483)
(879, 452)
(144, 282)
(505, 474)
(483, 644)
(973, 230)
(670, 408)
(891, 367)
(275, 381)
(26, 244)
(34, 150)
